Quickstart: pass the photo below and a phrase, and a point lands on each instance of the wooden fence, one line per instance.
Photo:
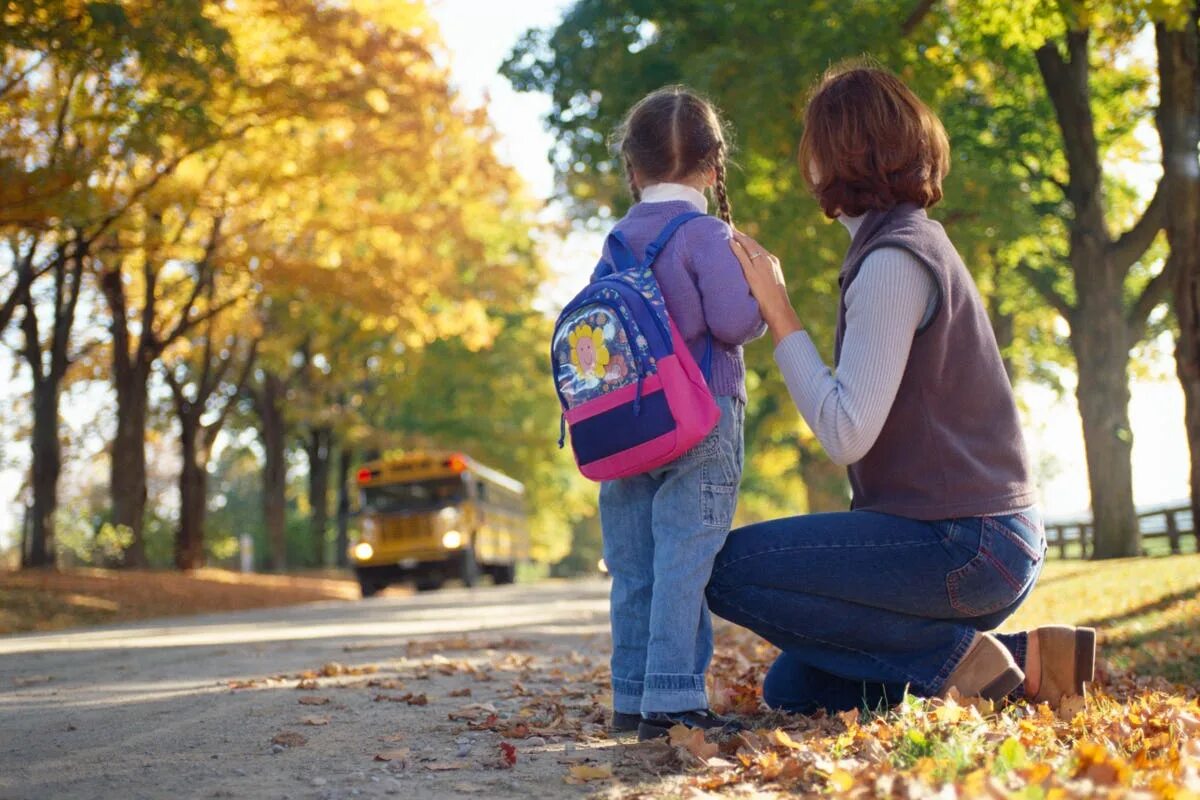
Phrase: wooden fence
(1161, 522)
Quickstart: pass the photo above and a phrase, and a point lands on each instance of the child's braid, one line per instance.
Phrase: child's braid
(723, 209)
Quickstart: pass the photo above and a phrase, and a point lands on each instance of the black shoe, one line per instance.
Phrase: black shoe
(657, 725)
(624, 723)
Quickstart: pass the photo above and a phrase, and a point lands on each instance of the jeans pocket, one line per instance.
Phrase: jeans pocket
(1007, 561)
(717, 502)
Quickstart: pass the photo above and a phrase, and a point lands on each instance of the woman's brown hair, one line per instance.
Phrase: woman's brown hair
(671, 134)
(873, 143)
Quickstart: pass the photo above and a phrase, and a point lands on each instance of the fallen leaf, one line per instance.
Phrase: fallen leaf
(508, 753)
(308, 683)
(841, 781)
(692, 740)
(31, 680)
(582, 773)
(315, 721)
(400, 754)
(289, 739)
(463, 692)
(314, 701)
(782, 737)
(446, 766)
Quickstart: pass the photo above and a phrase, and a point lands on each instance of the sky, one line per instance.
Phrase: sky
(479, 35)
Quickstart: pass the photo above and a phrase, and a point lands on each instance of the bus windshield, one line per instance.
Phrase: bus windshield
(408, 497)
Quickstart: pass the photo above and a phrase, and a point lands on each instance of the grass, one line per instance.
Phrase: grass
(1146, 610)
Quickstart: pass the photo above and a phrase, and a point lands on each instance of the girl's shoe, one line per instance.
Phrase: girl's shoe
(658, 724)
(987, 670)
(1067, 658)
(624, 723)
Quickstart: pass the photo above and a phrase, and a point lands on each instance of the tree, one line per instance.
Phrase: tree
(48, 363)
(1100, 284)
(1178, 120)
(76, 152)
(205, 376)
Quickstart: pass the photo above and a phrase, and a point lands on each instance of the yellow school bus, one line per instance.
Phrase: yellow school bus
(429, 517)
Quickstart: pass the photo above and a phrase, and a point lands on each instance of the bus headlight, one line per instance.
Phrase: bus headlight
(449, 517)
(452, 540)
(363, 551)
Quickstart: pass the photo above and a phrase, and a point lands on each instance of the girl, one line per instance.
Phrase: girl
(945, 538)
(662, 529)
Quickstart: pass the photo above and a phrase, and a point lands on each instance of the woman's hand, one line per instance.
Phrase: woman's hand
(765, 277)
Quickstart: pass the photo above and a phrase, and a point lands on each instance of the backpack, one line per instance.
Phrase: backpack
(630, 390)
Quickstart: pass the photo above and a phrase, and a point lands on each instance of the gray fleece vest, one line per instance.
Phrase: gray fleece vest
(951, 445)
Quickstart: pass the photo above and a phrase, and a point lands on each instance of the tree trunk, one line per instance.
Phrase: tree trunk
(128, 463)
(270, 399)
(47, 464)
(1100, 341)
(193, 495)
(1103, 328)
(341, 557)
(1178, 120)
(319, 449)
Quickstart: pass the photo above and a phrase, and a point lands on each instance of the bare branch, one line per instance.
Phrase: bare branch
(12, 84)
(1153, 293)
(1042, 281)
(1132, 244)
(917, 16)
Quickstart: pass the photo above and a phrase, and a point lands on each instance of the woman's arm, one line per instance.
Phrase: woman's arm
(885, 306)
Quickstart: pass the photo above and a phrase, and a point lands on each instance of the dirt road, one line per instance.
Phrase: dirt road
(305, 701)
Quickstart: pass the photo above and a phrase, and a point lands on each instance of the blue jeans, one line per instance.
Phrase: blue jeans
(864, 605)
(662, 531)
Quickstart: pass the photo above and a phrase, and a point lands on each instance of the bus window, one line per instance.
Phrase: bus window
(409, 497)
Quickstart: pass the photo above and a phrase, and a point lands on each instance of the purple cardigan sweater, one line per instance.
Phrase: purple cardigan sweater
(704, 287)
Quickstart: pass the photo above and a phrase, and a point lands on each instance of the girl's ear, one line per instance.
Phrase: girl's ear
(635, 179)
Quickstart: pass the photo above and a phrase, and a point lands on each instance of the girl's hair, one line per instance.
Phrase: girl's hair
(873, 142)
(673, 133)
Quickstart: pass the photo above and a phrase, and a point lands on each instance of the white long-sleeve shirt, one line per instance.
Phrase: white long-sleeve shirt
(888, 302)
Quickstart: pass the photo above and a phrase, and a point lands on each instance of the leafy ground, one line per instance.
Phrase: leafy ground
(526, 718)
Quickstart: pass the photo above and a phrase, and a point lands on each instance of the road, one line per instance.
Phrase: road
(209, 707)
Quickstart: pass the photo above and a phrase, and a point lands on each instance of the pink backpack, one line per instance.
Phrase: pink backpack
(631, 393)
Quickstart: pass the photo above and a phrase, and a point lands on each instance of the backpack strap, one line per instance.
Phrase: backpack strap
(655, 247)
(620, 252)
(623, 259)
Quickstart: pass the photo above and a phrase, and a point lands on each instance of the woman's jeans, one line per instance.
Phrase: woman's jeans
(662, 531)
(865, 605)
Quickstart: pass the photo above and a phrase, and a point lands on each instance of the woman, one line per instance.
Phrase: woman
(944, 540)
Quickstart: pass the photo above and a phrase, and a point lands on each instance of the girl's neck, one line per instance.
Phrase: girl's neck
(667, 192)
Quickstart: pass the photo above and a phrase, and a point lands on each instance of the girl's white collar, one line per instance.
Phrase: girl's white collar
(666, 192)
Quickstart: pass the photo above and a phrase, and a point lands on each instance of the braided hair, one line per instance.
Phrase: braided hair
(672, 134)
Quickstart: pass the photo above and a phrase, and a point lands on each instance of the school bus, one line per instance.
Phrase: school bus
(429, 517)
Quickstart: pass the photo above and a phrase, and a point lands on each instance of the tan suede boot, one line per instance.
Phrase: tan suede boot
(1067, 657)
(987, 670)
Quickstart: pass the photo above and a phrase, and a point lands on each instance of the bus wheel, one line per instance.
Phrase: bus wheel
(504, 574)
(369, 587)
(429, 584)
(469, 572)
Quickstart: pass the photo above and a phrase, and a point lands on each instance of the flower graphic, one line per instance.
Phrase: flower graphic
(589, 354)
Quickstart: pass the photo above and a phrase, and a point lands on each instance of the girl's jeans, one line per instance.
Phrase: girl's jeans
(864, 605)
(662, 531)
